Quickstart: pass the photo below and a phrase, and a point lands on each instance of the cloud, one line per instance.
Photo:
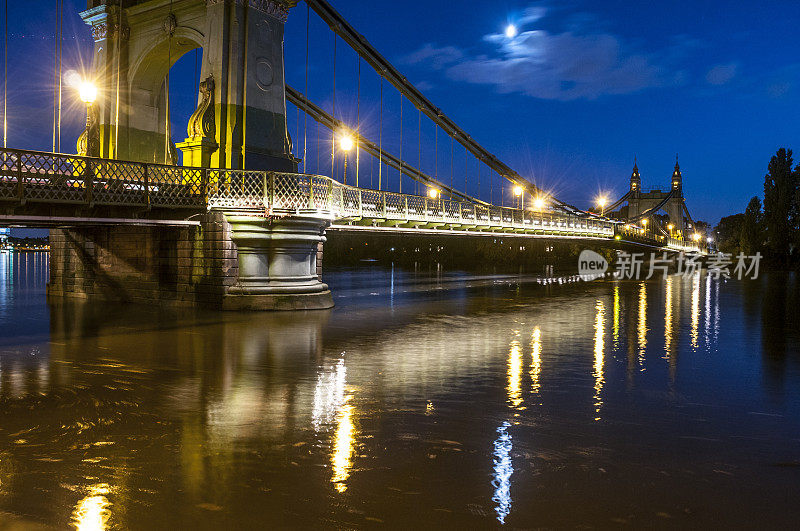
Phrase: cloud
(434, 56)
(721, 74)
(577, 63)
(783, 81)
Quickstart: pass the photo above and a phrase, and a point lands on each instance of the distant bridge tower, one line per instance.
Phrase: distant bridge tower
(241, 117)
(671, 202)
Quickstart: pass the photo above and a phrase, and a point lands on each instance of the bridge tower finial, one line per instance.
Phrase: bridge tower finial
(636, 180)
(677, 178)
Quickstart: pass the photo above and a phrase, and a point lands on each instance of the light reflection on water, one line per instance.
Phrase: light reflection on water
(536, 360)
(599, 356)
(514, 387)
(405, 413)
(694, 333)
(503, 469)
(343, 446)
(93, 511)
(642, 325)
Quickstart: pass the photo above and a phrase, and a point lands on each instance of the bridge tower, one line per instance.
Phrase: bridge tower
(673, 201)
(233, 261)
(241, 117)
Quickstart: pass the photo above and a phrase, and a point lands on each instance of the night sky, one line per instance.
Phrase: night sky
(569, 102)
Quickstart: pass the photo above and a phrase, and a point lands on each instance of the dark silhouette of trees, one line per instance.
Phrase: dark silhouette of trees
(729, 232)
(774, 230)
(780, 205)
(751, 232)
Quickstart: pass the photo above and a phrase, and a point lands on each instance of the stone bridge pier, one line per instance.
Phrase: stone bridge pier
(230, 263)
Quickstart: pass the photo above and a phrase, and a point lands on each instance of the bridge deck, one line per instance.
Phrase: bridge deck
(37, 184)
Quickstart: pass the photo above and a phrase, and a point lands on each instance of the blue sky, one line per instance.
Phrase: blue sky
(581, 90)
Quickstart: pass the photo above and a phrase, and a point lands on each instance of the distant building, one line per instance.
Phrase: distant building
(4, 234)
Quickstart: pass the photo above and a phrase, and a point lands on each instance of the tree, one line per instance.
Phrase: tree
(780, 207)
(729, 233)
(796, 239)
(751, 237)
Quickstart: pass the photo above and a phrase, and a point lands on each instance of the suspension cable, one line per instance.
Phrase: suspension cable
(380, 141)
(305, 94)
(401, 143)
(5, 80)
(358, 119)
(55, 77)
(478, 173)
(419, 148)
(452, 170)
(119, 77)
(60, 75)
(167, 139)
(333, 132)
(466, 169)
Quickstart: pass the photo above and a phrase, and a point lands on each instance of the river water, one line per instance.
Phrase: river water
(424, 399)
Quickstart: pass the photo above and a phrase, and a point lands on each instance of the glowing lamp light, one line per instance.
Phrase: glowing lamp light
(644, 222)
(88, 92)
(696, 237)
(517, 191)
(670, 226)
(710, 240)
(538, 203)
(433, 193)
(346, 142)
(511, 31)
(602, 202)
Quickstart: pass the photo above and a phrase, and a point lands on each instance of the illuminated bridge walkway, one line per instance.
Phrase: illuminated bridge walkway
(46, 189)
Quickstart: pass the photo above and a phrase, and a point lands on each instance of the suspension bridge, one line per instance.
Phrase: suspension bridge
(240, 222)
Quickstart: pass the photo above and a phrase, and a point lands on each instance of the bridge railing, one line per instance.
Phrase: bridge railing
(33, 176)
(37, 177)
(305, 194)
(638, 234)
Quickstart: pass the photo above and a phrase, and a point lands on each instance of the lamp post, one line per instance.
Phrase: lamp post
(346, 143)
(644, 222)
(89, 141)
(519, 193)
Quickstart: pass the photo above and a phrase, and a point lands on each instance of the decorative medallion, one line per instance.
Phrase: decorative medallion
(264, 74)
(170, 24)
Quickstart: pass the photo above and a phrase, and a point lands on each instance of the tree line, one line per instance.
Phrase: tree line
(771, 227)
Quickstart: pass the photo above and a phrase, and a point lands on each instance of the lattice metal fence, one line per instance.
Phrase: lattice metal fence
(303, 194)
(31, 176)
(37, 177)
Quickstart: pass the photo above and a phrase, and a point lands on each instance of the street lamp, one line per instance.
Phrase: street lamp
(433, 193)
(539, 203)
(518, 192)
(644, 222)
(696, 237)
(89, 141)
(346, 143)
(88, 92)
(602, 201)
